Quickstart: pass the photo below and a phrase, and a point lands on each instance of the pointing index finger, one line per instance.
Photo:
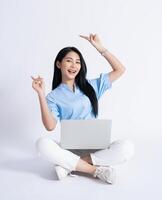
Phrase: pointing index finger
(85, 37)
(33, 78)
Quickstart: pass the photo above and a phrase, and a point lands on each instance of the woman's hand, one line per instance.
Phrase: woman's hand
(95, 41)
(38, 85)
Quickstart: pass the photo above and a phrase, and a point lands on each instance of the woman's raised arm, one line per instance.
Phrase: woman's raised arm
(117, 66)
(47, 118)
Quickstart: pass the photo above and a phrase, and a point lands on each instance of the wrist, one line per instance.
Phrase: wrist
(103, 52)
(101, 49)
(41, 94)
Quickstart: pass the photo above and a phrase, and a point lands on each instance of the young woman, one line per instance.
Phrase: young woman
(75, 97)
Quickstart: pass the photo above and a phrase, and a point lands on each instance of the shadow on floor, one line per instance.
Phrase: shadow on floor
(33, 165)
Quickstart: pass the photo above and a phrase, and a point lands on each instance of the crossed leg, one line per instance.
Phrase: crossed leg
(51, 151)
(118, 152)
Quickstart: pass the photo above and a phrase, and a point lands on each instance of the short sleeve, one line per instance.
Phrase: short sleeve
(101, 84)
(53, 106)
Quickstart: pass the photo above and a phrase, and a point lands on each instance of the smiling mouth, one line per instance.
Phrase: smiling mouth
(72, 71)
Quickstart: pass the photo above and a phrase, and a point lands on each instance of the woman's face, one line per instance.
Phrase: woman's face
(69, 66)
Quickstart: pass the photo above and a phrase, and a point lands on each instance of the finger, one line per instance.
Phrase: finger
(36, 80)
(95, 35)
(91, 37)
(85, 37)
(33, 78)
(82, 36)
(39, 81)
(39, 78)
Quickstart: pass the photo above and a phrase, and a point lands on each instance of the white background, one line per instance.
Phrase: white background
(32, 33)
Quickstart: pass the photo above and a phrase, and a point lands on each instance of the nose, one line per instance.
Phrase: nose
(73, 65)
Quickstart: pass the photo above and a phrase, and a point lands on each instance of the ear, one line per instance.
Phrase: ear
(58, 64)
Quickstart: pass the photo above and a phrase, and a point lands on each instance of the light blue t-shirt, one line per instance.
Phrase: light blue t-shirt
(67, 104)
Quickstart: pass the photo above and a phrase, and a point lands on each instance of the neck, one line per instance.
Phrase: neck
(70, 83)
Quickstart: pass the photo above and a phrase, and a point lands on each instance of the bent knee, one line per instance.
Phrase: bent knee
(44, 143)
(41, 142)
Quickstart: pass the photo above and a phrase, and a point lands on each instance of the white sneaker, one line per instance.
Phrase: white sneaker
(62, 172)
(106, 174)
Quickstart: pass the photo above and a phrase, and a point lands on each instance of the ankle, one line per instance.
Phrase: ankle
(83, 166)
(87, 158)
(93, 170)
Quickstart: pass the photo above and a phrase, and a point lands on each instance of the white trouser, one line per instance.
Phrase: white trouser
(118, 152)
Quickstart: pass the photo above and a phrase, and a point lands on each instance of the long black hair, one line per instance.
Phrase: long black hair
(80, 79)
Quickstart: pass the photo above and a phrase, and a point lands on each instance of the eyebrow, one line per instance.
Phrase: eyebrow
(71, 58)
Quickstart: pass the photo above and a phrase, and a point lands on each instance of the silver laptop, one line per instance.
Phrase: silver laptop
(85, 134)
